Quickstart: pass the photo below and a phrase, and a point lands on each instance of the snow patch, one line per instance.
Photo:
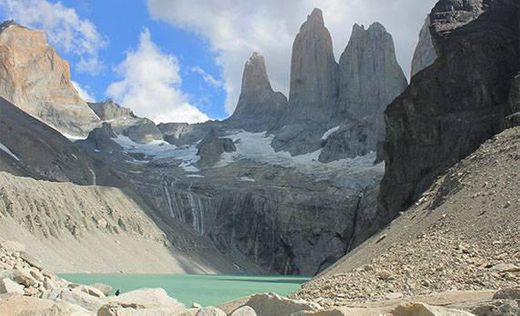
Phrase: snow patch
(247, 179)
(9, 152)
(73, 138)
(331, 131)
(158, 149)
(257, 147)
(195, 176)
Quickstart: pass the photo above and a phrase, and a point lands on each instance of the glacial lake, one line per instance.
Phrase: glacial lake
(204, 289)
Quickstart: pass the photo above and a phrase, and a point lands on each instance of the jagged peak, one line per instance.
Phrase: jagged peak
(377, 27)
(255, 58)
(316, 16)
(8, 23)
(314, 20)
(255, 74)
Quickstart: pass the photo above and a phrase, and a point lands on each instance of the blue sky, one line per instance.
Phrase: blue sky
(122, 33)
(182, 60)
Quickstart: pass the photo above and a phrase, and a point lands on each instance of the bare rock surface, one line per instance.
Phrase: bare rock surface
(460, 235)
(454, 105)
(37, 80)
(259, 106)
(425, 54)
(271, 304)
(39, 151)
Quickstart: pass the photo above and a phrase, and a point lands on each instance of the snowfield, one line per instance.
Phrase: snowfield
(253, 147)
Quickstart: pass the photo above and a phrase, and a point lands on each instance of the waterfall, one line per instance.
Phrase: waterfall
(177, 207)
(173, 206)
(196, 207)
(166, 189)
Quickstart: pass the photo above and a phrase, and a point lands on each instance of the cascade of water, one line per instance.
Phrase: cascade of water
(166, 189)
(196, 207)
(175, 204)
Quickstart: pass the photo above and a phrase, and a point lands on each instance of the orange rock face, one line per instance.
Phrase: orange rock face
(37, 80)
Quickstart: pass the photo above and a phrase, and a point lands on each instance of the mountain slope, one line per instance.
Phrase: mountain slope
(453, 106)
(41, 152)
(461, 235)
(72, 228)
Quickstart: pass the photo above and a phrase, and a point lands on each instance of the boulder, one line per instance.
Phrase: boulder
(104, 288)
(92, 291)
(210, 311)
(24, 277)
(498, 308)
(188, 312)
(9, 286)
(420, 309)
(343, 311)
(508, 294)
(270, 304)
(24, 305)
(244, 311)
(78, 297)
(123, 309)
(148, 298)
(504, 268)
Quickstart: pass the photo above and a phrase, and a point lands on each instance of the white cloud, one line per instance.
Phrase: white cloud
(209, 79)
(83, 92)
(151, 85)
(64, 29)
(236, 28)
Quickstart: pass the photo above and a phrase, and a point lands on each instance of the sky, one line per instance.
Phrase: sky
(182, 60)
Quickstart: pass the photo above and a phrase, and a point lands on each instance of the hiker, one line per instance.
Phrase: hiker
(118, 292)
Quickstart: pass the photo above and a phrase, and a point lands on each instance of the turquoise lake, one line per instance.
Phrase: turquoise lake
(203, 289)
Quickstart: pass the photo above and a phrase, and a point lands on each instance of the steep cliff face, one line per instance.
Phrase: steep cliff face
(313, 89)
(425, 54)
(259, 105)
(314, 72)
(279, 219)
(370, 77)
(125, 122)
(43, 153)
(109, 110)
(369, 80)
(453, 106)
(37, 80)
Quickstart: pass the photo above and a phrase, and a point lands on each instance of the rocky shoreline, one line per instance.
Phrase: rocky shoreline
(27, 289)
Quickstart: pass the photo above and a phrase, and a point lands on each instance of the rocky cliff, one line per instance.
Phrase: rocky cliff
(462, 234)
(125, 122)
(369, 79)
(314, 72)
(454, 105)
(259, 106)
(36, 79)
(425, 54)
(36, 150)
(339, 107)
(313, 89)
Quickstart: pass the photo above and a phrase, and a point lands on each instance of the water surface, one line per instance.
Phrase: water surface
(203, 289)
